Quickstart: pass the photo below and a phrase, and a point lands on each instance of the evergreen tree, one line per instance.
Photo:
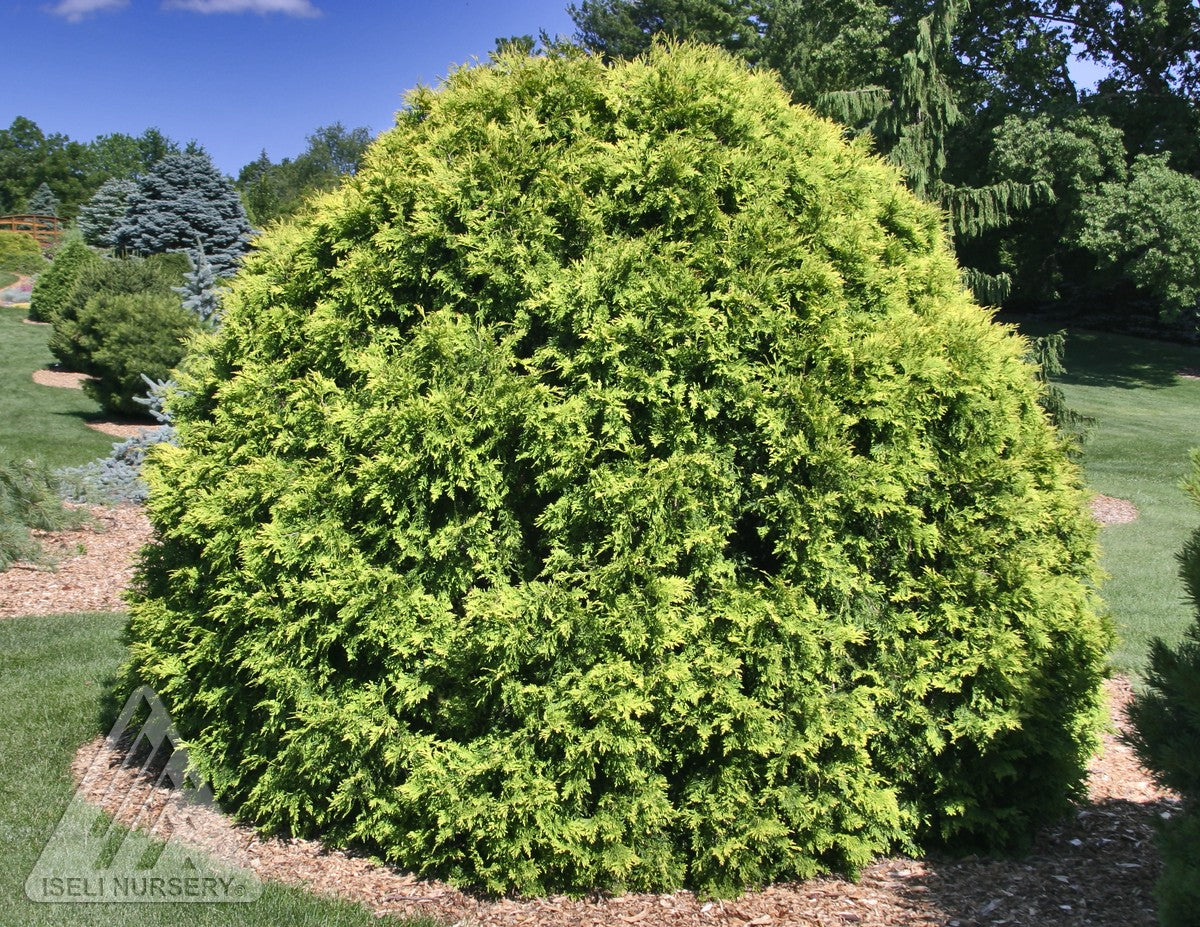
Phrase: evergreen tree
(1166, 719)
(56, 285)
(182, 198)
(43, 202)
(696, 532)
(98, 217)
(199, 290)
(625, 28)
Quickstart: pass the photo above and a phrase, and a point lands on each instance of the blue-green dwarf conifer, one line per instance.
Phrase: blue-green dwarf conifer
(181, 198)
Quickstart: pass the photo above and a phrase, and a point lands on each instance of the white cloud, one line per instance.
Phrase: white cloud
(286, 7)
(74, 11)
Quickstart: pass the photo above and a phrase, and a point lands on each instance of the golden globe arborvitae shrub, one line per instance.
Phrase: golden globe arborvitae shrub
(614, 486)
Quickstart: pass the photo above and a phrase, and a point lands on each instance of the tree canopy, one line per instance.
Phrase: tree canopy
(274, 191)
(937, 86)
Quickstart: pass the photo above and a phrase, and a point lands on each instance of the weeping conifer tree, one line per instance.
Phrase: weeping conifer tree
(911, 123)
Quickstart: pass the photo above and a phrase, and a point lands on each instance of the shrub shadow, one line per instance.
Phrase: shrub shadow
(1126, 362)
(1097, 868)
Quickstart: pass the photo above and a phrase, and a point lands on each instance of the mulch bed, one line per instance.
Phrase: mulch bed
(89, 566)
(1112, 511)
(1095, 868)
(65, 379)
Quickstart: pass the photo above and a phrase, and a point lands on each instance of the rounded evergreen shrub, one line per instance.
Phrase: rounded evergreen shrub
(20, 253)
(129, 336)
(69, 342)
(55, 286)
(613, 486)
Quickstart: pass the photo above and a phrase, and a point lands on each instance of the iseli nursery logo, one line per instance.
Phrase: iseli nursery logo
(90, 858)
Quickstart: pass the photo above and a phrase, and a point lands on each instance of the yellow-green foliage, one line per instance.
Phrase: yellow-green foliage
(614, 486)
(19, 253)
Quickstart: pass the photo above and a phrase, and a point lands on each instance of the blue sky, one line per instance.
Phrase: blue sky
(239, 76)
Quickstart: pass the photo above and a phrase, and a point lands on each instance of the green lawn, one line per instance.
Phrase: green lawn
(41, 421)
(7, 278)
(53, 672)
(1147, 420)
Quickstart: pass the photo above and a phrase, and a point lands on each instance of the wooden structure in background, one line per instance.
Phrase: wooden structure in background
(46, 229)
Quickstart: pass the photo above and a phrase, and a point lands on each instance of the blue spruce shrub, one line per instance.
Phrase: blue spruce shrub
(99, 216)
(117, 478)
(42, 202)
(199, 290)
(182, 198)
(613, 487)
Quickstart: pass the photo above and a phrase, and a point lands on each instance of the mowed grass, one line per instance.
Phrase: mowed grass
(47, 422)
(7, 278)
(54, 672)
(1146, 423)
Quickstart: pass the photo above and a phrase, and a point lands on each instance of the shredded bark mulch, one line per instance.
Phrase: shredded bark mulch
(1097, 867)
(62, 378)
(89, 567)
(1111, 511)
(120, 429)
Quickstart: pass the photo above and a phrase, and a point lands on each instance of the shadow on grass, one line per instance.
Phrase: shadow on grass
(1126, 362)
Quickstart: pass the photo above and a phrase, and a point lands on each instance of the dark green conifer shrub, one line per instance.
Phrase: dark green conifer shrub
(128, 336)
(618, 489)
(1166, 719)
(105, 278)
(55, 286)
